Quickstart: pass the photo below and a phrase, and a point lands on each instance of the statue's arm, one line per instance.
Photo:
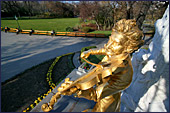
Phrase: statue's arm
(86, 54)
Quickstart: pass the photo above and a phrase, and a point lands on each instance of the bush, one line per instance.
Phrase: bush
(92, 58)
(47, 14)
(69, 29)
(86, 29)
(77, 27)
(91, 25)
(87, 48)
(81, 20)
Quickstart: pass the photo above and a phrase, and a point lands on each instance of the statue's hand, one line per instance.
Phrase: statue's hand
(89, 94)
(85, 54)
(66, 84)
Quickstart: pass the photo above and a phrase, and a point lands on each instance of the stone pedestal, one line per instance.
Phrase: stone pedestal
(149, 90)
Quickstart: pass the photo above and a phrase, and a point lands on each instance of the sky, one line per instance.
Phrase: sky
(69, 1)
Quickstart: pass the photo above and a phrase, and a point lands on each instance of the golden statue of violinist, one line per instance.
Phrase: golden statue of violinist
(104, 83)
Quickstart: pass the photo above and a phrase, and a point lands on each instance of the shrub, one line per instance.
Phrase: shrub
(81, 20)
(46, 14)
(86, 29)
(69, 29)
(92, 58)
(77, 27)
(87, 48)
(92, 26)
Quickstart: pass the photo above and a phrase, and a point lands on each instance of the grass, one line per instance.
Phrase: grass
(107, 33)
(59, 24)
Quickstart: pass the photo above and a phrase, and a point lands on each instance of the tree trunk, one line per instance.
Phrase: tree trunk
(98, 27)
(141, 16)
(130, 10)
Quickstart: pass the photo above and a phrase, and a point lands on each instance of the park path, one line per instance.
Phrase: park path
(20, 52)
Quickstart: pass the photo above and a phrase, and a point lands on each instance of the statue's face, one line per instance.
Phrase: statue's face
(115, 43)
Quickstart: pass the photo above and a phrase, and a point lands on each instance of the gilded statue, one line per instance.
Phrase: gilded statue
(104, 83)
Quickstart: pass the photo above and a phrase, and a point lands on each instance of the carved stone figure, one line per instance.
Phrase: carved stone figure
(104, 83)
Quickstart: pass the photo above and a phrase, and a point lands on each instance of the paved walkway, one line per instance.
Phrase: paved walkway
(20, 52)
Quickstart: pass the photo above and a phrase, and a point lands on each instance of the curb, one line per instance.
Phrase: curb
(52, 33)
(76, 60)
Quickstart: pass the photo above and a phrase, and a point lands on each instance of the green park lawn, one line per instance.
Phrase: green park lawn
(107, 33)
(57, 24)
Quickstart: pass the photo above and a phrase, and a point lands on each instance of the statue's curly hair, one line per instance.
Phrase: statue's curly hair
(130, 30)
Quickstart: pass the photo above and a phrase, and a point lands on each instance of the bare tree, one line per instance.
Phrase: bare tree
(157, 10)
(133, 10)
(101, 12)
(141, 10)
(130, 9)
(12, 7)
(106, 13)
(20, 8)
